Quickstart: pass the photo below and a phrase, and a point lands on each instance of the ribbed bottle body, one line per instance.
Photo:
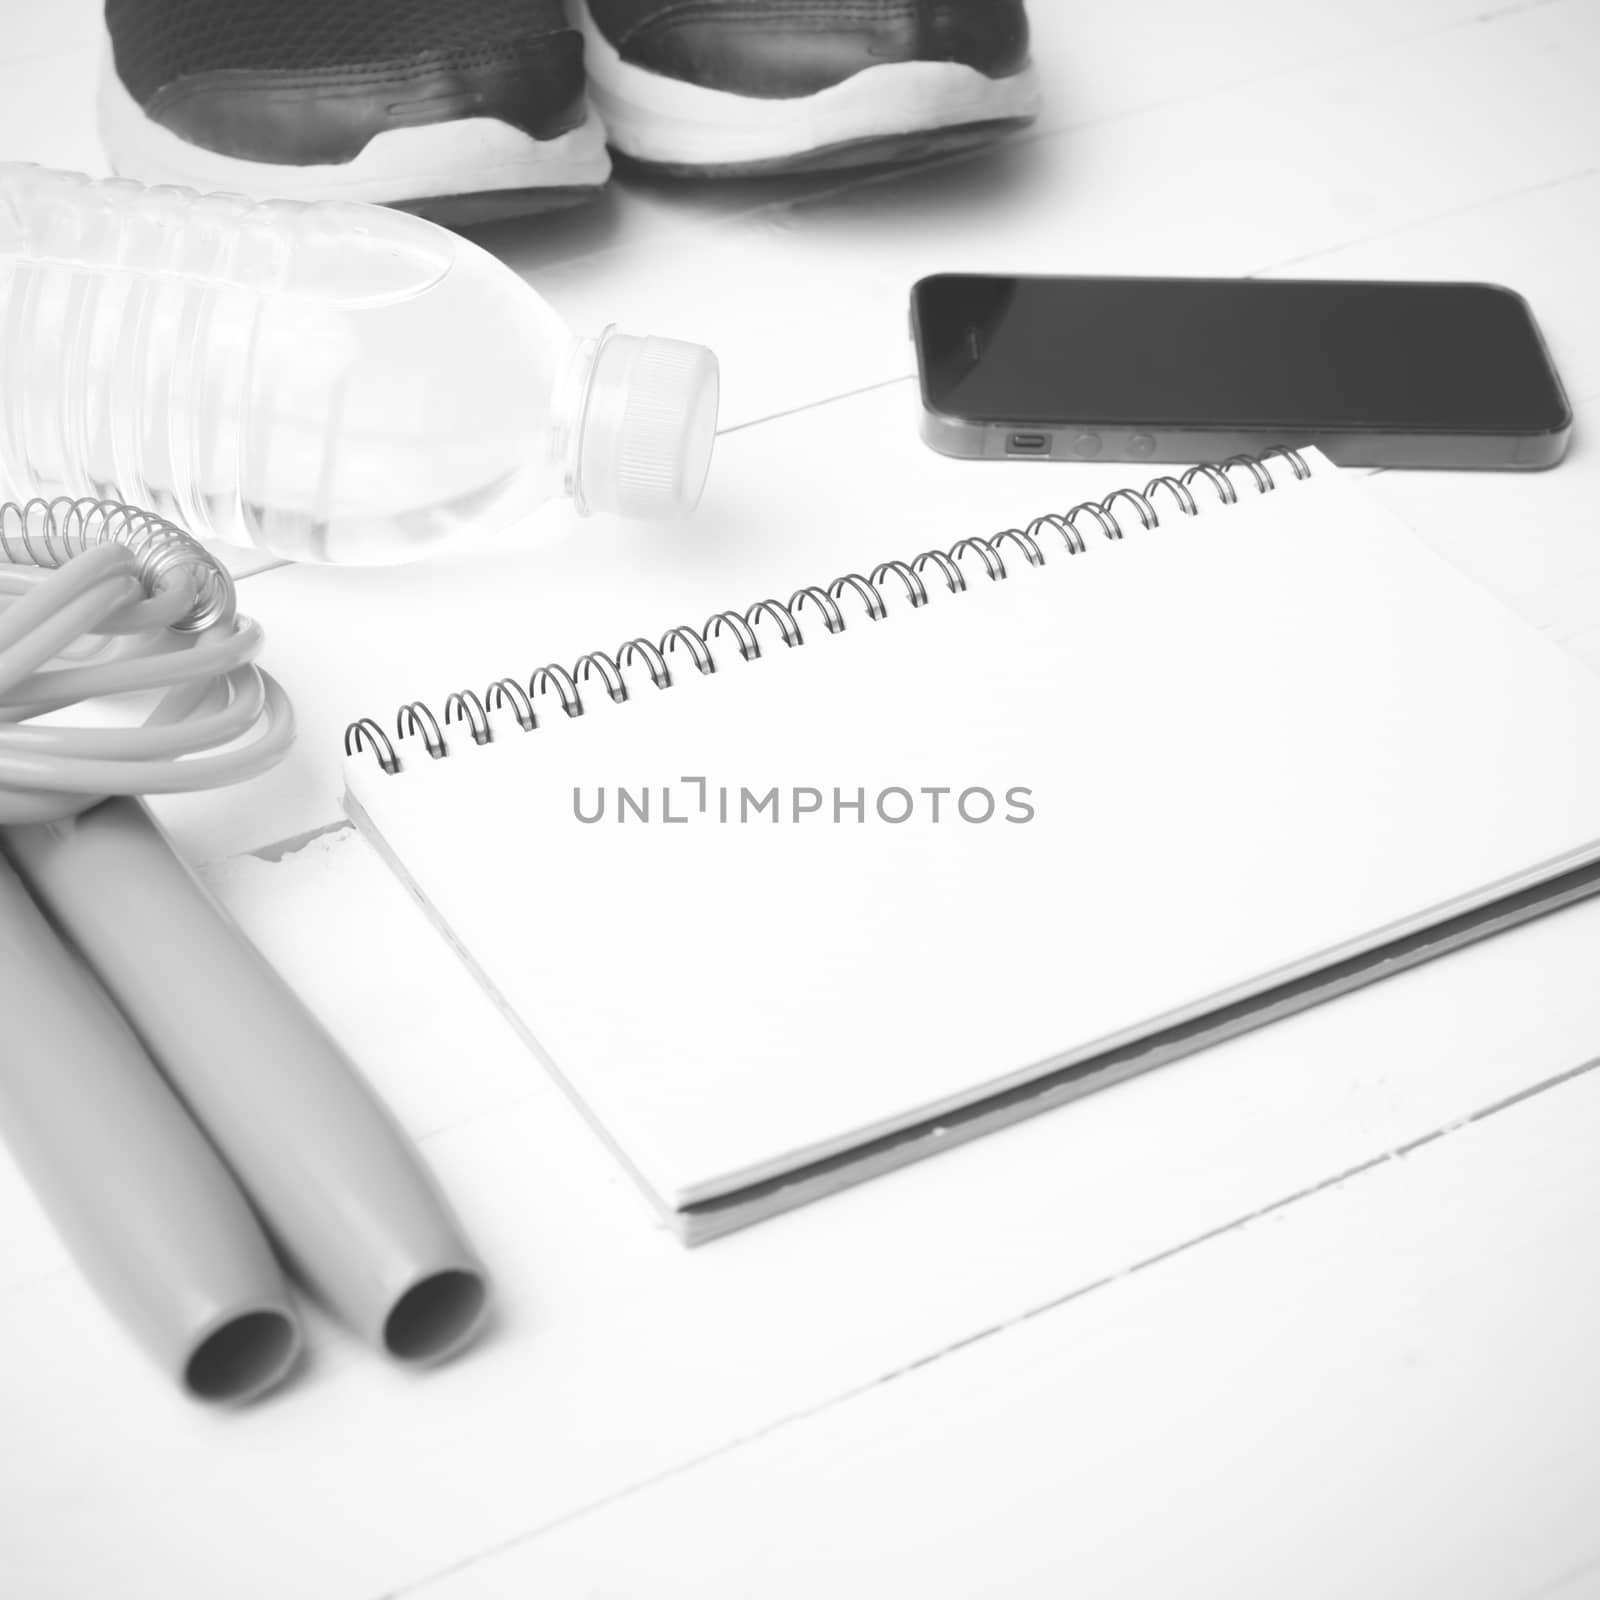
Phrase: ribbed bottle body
(329, 383)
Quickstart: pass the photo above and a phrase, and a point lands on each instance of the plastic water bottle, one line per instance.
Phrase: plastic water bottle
(328, 382)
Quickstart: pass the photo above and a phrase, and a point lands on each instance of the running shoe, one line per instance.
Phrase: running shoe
(463, 109)
(719, 88)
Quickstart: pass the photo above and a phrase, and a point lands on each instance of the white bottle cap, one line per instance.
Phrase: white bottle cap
(648, 427)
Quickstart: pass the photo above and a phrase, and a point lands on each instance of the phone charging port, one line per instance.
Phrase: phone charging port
(1028, 444)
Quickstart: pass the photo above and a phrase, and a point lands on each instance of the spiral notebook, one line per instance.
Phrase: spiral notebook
(836, 881)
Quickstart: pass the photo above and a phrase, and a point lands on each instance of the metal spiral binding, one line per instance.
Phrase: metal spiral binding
(49, 533)
(566, 689)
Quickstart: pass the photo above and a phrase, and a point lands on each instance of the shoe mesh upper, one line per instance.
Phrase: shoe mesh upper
(779, 48)
(156, 42)
(622, 19)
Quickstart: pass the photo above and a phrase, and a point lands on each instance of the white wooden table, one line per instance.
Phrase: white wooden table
(1316, 1313)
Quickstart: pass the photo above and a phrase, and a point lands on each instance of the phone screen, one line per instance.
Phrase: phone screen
(1248, 354)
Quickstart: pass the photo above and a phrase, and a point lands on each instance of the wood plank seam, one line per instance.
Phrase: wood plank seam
(1495, 1108)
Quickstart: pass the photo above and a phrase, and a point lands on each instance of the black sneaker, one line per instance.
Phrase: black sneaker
(464, 109)
(734, 87)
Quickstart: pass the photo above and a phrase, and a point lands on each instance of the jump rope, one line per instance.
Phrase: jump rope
(193, 1131)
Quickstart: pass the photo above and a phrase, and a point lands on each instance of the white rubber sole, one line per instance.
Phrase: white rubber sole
(666, 122)
(475, 155)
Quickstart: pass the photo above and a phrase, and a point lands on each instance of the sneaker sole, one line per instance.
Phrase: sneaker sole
(896, 111)
(470, 170)
(474, 207)
(881, 151)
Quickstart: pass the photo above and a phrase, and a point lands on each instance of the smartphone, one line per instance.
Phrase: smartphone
(1196, 369)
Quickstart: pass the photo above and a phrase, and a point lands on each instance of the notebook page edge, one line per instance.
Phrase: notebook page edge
(755, 1203)
(1468, 904)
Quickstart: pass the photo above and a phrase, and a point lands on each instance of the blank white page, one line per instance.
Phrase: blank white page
(1255, 741)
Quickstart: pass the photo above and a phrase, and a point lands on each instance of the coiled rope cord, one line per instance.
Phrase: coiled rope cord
(124, 666)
